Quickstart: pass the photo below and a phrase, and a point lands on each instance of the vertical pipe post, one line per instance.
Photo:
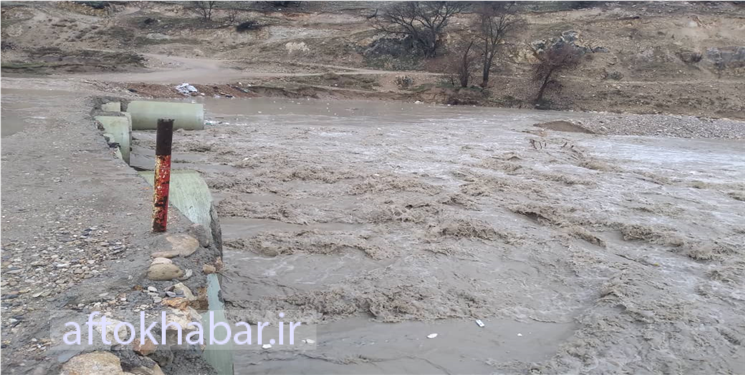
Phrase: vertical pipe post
(162, 177)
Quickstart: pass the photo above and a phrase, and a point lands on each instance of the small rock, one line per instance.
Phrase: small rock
(161, 261)
(164, 272)
(179, 303)
(187, 274)
(152, 289)
(208, 269)
(144, 349)
(183, 289)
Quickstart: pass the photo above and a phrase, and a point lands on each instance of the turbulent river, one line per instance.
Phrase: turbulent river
(377, 224)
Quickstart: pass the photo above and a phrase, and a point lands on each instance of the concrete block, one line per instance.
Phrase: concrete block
(111, 107)
(120, 129)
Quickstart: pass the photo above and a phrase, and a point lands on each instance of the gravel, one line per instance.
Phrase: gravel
(664, 126)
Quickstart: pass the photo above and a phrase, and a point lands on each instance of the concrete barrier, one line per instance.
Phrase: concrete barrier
(220, 357)
(112, 107)
(189, 194)
(145, 115)
(120, 129)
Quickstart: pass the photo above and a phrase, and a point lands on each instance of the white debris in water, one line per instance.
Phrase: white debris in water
(520, 335)
(431, 335)
(266, 346)
(309, 341)
(480, 323)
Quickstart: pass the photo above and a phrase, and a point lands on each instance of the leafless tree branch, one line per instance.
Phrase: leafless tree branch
(423, 21)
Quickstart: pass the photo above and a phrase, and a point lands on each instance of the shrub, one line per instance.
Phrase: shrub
(404, 82)
(616, 76)
(247, 26)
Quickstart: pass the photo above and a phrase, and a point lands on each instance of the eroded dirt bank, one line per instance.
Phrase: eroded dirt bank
(384, 222)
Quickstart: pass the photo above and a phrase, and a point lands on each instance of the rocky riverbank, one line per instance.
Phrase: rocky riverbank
(76, 239)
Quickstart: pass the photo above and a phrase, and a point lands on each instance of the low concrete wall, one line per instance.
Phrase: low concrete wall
(219, 357)
(120, 129)
(186, 116)
(189, 194)
(112, 107)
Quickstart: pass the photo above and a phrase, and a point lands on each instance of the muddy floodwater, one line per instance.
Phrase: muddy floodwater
(381, 223)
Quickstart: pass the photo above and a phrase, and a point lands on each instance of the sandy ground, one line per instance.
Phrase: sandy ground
(384, 222)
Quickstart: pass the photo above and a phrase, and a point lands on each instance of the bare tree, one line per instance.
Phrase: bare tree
(203, 8)
(458, 63)
(553, 59)
(496, 20)
(466, 62)
(423, 21)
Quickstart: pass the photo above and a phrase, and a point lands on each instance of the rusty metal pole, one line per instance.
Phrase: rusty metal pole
(162, 178)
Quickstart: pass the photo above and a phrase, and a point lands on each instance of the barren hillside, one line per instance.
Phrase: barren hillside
(679, 58)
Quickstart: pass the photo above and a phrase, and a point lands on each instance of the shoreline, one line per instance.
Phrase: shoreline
(77, 237)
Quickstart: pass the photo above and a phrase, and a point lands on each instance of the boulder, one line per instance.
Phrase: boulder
(176, 245)
(93, 363)
(690, 57)
(162, 355)
(142, 370)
